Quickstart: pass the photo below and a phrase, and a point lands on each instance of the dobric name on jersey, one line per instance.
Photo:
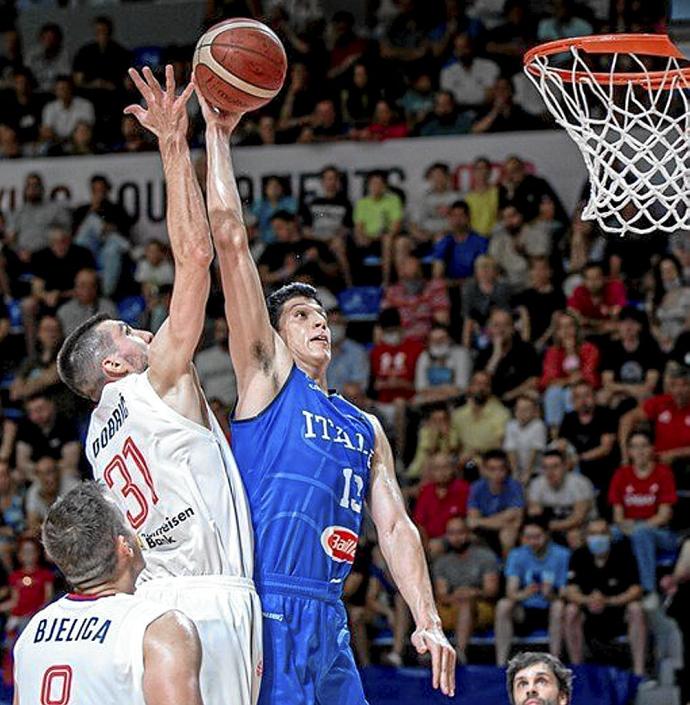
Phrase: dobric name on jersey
(113, 425)
(72, 629)
(160, 537)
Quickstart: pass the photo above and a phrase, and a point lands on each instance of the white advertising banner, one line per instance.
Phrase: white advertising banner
(138, 182)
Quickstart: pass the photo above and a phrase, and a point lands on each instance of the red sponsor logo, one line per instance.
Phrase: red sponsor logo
(339, 543)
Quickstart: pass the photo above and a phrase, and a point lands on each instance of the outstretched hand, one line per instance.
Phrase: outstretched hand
(223, 119)
(443, 657)
(165, 113)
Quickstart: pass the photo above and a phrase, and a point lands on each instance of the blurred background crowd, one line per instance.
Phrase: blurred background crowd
(533, 375)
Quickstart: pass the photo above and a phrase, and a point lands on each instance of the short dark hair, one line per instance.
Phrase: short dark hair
(441, 166)
(462, 205)
(553, 453)
(497, 454)
(105, 20)
(377, 173)
(540, 520)
(279, 298)
(102, 178)
(283, 215)
(80, 535)
(80, 357)
(640, 432)
(563, 675)
(330, 167)
(51, 27)
(390, 318)
(594, 264)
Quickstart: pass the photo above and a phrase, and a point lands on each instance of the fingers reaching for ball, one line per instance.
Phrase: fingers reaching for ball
(165, 113)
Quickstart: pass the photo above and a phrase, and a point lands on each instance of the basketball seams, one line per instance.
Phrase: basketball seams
(243, 64)
(207, 59)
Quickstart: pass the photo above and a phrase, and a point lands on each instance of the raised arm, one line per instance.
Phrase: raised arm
(402, 549)
(172, 348)
(172, 659)
(260, 359)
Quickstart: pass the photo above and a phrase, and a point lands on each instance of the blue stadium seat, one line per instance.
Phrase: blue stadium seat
(151, 56)
(360, 303)
(131, 308)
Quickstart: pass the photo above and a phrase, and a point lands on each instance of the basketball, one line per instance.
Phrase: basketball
(239, 65)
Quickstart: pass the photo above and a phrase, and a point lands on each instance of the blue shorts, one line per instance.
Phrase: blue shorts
(307, 654)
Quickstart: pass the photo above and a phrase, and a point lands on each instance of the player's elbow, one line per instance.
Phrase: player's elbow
(228, 230)
(197, 255)
(397, 530)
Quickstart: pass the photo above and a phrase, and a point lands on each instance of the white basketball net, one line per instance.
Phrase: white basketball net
(633, 137)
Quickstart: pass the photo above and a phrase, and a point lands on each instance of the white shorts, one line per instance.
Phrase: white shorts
(227, 613)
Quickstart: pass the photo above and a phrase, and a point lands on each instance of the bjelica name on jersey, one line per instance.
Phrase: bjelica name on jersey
(94, 629)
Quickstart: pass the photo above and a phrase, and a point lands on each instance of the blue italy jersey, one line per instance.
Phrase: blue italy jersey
(305, 463)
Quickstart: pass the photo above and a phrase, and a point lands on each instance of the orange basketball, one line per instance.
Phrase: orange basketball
(239, 65)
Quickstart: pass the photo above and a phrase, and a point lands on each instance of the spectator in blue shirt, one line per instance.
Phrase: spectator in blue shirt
(496, 503)
(536, 572)
(274, 200)
(349, 360)
(455, 253)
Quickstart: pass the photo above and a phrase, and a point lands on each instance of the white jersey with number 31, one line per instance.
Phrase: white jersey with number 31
(175, 481)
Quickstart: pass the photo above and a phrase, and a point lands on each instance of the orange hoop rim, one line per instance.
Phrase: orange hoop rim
(647, 44)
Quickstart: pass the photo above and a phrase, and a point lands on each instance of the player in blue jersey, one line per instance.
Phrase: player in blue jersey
(309, 459)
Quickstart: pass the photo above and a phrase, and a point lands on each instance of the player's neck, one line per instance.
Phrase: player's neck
(123, 584)
(318, 374)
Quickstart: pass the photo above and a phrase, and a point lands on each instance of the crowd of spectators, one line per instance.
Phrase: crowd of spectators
(533, 376)
(405, 68)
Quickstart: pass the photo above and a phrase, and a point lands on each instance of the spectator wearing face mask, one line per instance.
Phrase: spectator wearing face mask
(603, 597)
(349, 360)
(466, 582)
(393, 362)
(443, 369)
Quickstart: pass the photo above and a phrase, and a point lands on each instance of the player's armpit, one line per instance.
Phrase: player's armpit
(172, 659)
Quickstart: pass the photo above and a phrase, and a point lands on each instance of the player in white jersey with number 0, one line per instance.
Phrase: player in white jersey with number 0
(101, 644)
(156, 445)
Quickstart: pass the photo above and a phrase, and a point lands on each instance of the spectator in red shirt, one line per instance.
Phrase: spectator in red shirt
(597, 301)
(568, 361)
(642, 495)
(419, 302)
(31, 587)
(393, 363)
(385, 125)
(442, 499)
(670, 416)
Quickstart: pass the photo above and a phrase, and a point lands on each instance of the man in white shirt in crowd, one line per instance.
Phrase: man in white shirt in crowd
(470, 77)
(62, 115)
(565, 499)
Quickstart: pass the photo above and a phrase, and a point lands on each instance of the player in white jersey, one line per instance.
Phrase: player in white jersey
(101, 644)
(156, 445)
